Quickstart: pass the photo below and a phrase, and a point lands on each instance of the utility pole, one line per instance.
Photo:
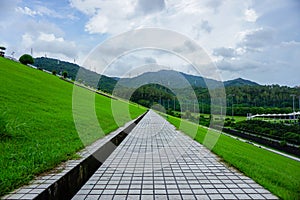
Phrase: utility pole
(293, 95)
(194, 106)
(299, 102)
(174, 102)
(232, 112)
(221, 110)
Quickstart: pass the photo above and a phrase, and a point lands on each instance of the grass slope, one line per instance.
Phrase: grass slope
(37, 131)
(276, 173)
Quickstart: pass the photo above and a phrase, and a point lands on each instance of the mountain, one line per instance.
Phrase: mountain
(168, 78)
(88, 77)
(176, 79)
(239, 82)
(198, 81)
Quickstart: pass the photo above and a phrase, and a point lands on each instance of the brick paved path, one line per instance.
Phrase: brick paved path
(157, 162)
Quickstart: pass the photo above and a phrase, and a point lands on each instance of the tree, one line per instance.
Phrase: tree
(26, 59)
(65, 74)
(54, 72)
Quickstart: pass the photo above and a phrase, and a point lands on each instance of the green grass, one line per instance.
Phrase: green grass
(278, 174)
(37, 130)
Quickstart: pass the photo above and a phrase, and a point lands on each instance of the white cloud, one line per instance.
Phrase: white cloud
(146, 6)
(44, 43)
(39, 10)
(224, 52)
(88, 7)
(256, 39)
(251, 15)
(292, 43)
(191, 17)
(49, 38)
(205, 26)
(27, 11)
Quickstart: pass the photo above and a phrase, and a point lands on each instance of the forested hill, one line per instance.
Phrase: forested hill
(239, 82)
(248, 96)
(91, 78)
(180, 80)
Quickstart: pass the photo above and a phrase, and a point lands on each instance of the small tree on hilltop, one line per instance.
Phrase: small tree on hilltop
(26, 59)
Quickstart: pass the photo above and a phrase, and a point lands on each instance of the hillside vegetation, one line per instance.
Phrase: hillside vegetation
(274, 172)
(249, 97)
(88, 77)
(37, 130)
(279, 131)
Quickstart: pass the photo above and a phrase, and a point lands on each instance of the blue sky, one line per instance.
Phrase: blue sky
(256, 40)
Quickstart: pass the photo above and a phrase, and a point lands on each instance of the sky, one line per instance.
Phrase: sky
(258, 40)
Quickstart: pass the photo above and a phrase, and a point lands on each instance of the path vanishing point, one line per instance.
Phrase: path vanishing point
(154, 161)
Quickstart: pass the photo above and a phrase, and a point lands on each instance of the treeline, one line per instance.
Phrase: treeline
(263, 96)
(87, 77)
(278, 131)
(240, 99)
(147, 95)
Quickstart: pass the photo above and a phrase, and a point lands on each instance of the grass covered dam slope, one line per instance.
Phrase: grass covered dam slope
(37, 130)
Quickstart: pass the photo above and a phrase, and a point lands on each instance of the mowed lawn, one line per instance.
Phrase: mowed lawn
(278, 174)
(37, 130)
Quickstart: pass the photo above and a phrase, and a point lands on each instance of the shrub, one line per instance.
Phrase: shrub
(65, 74)
(283, 143)
(187, 114)
(26, 59)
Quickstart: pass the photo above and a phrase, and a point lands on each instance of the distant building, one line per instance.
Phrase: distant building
(288, 116)
(2, 51)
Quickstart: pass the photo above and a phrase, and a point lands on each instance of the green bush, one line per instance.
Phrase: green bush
(26, 59)
(65, 74)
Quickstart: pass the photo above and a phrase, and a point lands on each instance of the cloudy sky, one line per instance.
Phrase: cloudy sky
(257, 40)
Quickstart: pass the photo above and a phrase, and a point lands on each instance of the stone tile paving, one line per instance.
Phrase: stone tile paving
(157, 162)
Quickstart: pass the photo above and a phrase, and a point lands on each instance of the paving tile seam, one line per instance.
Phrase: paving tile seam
(202, 173)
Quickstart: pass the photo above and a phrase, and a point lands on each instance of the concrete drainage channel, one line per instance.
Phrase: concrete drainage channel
(66, 186)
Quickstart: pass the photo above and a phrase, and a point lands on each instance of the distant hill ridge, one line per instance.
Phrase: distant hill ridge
(239, 82)
(167, 77)
(91, 78)
(179, 80)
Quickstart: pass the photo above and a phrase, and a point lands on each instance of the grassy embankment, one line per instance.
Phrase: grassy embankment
(37, 131)
(276, 173)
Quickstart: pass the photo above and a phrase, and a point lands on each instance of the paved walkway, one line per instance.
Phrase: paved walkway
(157, 162)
